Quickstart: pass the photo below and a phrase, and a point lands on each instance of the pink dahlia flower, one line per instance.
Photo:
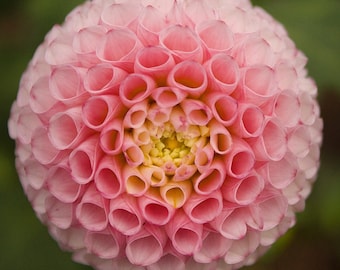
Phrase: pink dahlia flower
(175, 134)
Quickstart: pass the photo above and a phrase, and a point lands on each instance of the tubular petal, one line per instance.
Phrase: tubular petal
(155, 174)
(91, 212)
(112, 137)
(158, 115)
(287, 108)
(176, 194)
(136, 184)
(108, 179)
(134, 156)
(146, 247)
(186, 236)
(120, 14)
(190, 77)
(299, 141)
(86, 40)
(220, 138)
(124, 215)
(196, 111)
(201, 209)
(223, 73)
(167, 97)
(204, 157)
(136, 115)
(59, 214)
(281, 173)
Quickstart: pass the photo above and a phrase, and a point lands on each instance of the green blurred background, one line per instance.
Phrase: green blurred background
(313, 244)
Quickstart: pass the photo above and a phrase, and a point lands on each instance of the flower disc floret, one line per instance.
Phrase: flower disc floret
(167, 134)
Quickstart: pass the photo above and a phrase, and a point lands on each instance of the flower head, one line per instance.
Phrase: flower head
(167, 134)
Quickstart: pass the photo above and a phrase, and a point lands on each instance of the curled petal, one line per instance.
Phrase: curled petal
(309, 109)
(243, 191)
(41, 99)
(287, 108)
(182, 42)
(99, 110)
(151, 22)
(60, 51)
(86, 39)
(136, 115)
(216, 36)
(154, 209)
(223, 73)
(186, 236)
(231, 223)
(66, 84)
(66, 129)
(176, 193)
(168, 261)
(272, 144)
(240, 160)
(84, 160)
(120, 14)
(310, 164)
(154, 61)
(136, 184)
(124, 215)
(184, 172)
(70, 238)
(91, 212)
(201, 209)
(105, 245)
(108, 179)
(196, 111)
(26, 124)
(211, 179)
(103, 78)
(168, 97)
(204, 157)
(141, 135)
(223, 107)
(249, 122)
(155, 174)
(112, 137)
(241, 249)
(220, 138)
(35, 173)
(178, 119)
(258, 84)
(214, 246)
(190, 77)
(119, 47)
(279, 177)
(158, 115)
(43, 149)
(59, 213)
(134, 156)
(146, 247)
(61, 184)
(136, 88)
(198, 11)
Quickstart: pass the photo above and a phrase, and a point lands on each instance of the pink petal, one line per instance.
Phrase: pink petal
(136, 184)
(108, 179)
(136, 115)
(190, 77)
(216, 36)
(151, 21)
(99, 110)
(26, 124)
(242, 191)
(61, 185)
(272, 144)
(84, 160)
(136, 88)
(155, 210)
(40, 98)
(168, 97)
(196, 111)
(119, 47)
(105, 244)
(184, 172)
(287, 108)
(35, 173)
(86, 40)
(199, 11)
(310, 164)
(204, 157)
(240, 160)
(224, 108)
(141, 135)
(60, 52)
(223, 73)
(146, 247)
(176, 194)
(158, 115)
(211, 179)
(186, 236)
(120, 14)
(91, 212)
(70, 238)
(103, 78)
(155, 174)
(286, 76)
(60, 214)
(309, 109)
(220, 138)
(214, 246)
(112, 137)
(201, 209)
(125, 216)
(249, 122)
(168, 262)
(134, 156)
(182, 42)
(281, 173)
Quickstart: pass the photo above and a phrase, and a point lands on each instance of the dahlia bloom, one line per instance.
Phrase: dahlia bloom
(174, 134)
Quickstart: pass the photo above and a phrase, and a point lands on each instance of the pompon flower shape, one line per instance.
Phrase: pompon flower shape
(167, 134)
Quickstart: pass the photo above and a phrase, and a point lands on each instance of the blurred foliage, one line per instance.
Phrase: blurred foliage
(312, 244)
